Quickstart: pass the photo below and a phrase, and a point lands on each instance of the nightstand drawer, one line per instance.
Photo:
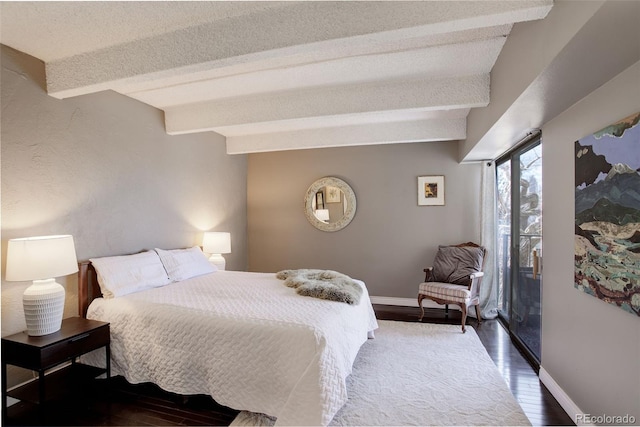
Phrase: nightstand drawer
(77, 336)
(71, 347)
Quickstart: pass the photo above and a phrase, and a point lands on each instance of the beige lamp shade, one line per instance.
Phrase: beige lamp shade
(37, 258)
(41, 259)
(217, 243)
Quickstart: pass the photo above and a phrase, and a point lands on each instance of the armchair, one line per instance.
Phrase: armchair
(455, 278)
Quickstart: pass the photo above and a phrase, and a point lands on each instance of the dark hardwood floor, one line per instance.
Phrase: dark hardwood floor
(124, 404)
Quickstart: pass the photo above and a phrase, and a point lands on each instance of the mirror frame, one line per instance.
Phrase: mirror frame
(350, 200)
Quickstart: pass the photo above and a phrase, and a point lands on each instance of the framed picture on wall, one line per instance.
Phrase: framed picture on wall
(431, 190)
(333, 194)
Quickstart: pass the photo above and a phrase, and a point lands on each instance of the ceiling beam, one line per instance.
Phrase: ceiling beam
(368, 134)
(277, 36)
(423, 94)
(433, 61)
(416, 48)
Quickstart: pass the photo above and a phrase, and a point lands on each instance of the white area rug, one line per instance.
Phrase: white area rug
(421, 374)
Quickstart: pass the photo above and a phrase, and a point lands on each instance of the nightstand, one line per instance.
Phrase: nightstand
(76, 337)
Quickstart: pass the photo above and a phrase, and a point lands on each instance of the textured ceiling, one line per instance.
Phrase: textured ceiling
(279, 75)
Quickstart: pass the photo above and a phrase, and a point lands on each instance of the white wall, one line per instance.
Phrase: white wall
(102, 168)
(590, 348)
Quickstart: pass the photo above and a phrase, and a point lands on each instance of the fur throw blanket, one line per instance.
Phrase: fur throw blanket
(323, 284)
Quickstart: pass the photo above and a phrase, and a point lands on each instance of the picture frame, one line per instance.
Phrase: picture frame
(332, 194)
(319, 200)
(431, 190)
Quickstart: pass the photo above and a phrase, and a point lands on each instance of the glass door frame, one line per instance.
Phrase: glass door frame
(513, 262)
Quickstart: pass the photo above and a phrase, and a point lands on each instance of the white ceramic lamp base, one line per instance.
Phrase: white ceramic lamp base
(218, 260)
(43, 304)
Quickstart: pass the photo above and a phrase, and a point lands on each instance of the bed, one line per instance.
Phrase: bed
(245, 339)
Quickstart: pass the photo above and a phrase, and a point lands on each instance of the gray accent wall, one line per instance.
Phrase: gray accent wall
(102, 168)
(390, 240)
(590, 348)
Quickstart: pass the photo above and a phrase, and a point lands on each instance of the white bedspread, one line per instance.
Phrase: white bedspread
(243, 338)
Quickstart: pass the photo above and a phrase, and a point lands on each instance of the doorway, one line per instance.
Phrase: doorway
(519, 245)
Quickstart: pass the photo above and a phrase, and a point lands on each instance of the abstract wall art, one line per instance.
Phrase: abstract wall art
(607, 214)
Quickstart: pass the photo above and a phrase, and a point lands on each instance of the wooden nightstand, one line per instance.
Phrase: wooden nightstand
(76, 337)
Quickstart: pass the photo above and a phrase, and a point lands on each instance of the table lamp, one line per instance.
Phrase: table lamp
(42, 259)
(216, 244)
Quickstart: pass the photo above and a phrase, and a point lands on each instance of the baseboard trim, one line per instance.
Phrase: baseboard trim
(404, 302)
(562, 397)
(409, 302)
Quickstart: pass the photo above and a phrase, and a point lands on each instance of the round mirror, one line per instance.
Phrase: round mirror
(330, 204)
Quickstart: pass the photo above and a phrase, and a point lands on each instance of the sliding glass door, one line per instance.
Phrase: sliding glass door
(519, 181)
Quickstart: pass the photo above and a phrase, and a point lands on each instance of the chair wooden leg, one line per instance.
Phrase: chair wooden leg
(478, 314)
(420, 298)
(463, 307)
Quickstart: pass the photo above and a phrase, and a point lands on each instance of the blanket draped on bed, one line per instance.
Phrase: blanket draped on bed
(231, 335)
(323, 284)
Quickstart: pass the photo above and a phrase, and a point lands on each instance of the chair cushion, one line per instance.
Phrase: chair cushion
(454, 264)
(445, 291)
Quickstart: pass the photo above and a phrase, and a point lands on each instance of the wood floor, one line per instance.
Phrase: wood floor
(123, 404)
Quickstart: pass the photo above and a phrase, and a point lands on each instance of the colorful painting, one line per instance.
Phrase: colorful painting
(607, 214)
(431, 190)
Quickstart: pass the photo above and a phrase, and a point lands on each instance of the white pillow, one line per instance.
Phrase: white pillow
(182, 264)
(122, 275)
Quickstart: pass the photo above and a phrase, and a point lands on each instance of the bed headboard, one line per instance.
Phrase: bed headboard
(88, 288)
